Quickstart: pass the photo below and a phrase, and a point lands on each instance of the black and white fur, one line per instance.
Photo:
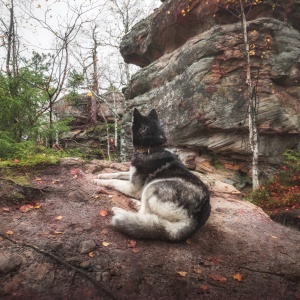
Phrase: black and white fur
(173, 204)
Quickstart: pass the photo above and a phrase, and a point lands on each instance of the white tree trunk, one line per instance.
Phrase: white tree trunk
(252, 111)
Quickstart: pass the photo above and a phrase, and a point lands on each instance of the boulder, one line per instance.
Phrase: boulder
(197, 84)
(176, 21)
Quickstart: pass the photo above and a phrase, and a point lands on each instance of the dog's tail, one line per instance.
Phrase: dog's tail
(151, 226)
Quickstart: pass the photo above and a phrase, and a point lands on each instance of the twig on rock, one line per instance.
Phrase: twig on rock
(59, 260)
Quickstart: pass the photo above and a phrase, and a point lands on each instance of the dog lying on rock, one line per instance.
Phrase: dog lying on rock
(173, 203)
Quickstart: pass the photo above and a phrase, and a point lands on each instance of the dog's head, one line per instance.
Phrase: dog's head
(146, 131)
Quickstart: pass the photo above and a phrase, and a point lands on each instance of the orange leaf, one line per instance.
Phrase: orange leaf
(218, 278)
(74, 171)
(24, 208)
(16, 161)
(204, 287)
(58, 218)
(135, 250)
(91, 254)
(239, 277)
(38, 179)
(182, 273)
(9, 232)
(103, 213)
(131, 244)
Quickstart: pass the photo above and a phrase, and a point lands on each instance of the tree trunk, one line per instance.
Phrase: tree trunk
(252, 109)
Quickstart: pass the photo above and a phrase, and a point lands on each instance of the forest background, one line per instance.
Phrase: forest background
(50, 49)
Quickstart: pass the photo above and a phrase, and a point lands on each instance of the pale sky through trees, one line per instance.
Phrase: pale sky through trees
(32, 18)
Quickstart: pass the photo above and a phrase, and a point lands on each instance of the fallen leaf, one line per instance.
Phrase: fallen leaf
(24, 208)
(103, 212)
(91, 254)
(74, 171)
(9, 232)
(16, 161)
(218, 278)
(38, 179)
(204, 287)
(37, 206)
(188, 241)
(105, 244)
(197, 270)
(56, 181)
(135, 250)
(274, 237)
(131, 244)
(102, 192)
(182, 273)
(5, 209)
(239, 277)
(58, 218)
(96, 197)
(58, 232)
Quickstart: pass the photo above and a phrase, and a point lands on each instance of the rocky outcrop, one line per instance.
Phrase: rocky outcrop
(194, 74)
(171, 25)
(78, 107)
(86, 135)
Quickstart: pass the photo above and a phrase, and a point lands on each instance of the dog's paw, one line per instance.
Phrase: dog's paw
(102, 182)
(134, 204)
(97, 181)
(118, 210)
(101, 176)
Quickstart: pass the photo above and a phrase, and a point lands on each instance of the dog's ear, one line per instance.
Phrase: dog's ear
(153, 114)
(136, 115)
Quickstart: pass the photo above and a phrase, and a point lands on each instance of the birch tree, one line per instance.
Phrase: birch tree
(252, 105)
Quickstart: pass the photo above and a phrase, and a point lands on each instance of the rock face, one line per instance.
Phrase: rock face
(193, 61)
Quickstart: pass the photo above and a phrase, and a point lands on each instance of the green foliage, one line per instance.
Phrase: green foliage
(6, 145)
(24, 108)
(292, 159)
(28, 154)
(75, 80)
(283, 190)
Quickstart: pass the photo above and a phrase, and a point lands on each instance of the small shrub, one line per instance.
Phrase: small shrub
(283, 190)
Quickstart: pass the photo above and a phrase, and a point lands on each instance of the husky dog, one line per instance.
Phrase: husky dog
(173, 201)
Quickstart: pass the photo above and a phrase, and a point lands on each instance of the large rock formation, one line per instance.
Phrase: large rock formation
(193, 61)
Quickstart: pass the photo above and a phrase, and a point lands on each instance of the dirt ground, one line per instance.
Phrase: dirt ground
(56, 243)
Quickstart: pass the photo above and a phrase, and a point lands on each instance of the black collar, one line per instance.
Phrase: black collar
(149, 150)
